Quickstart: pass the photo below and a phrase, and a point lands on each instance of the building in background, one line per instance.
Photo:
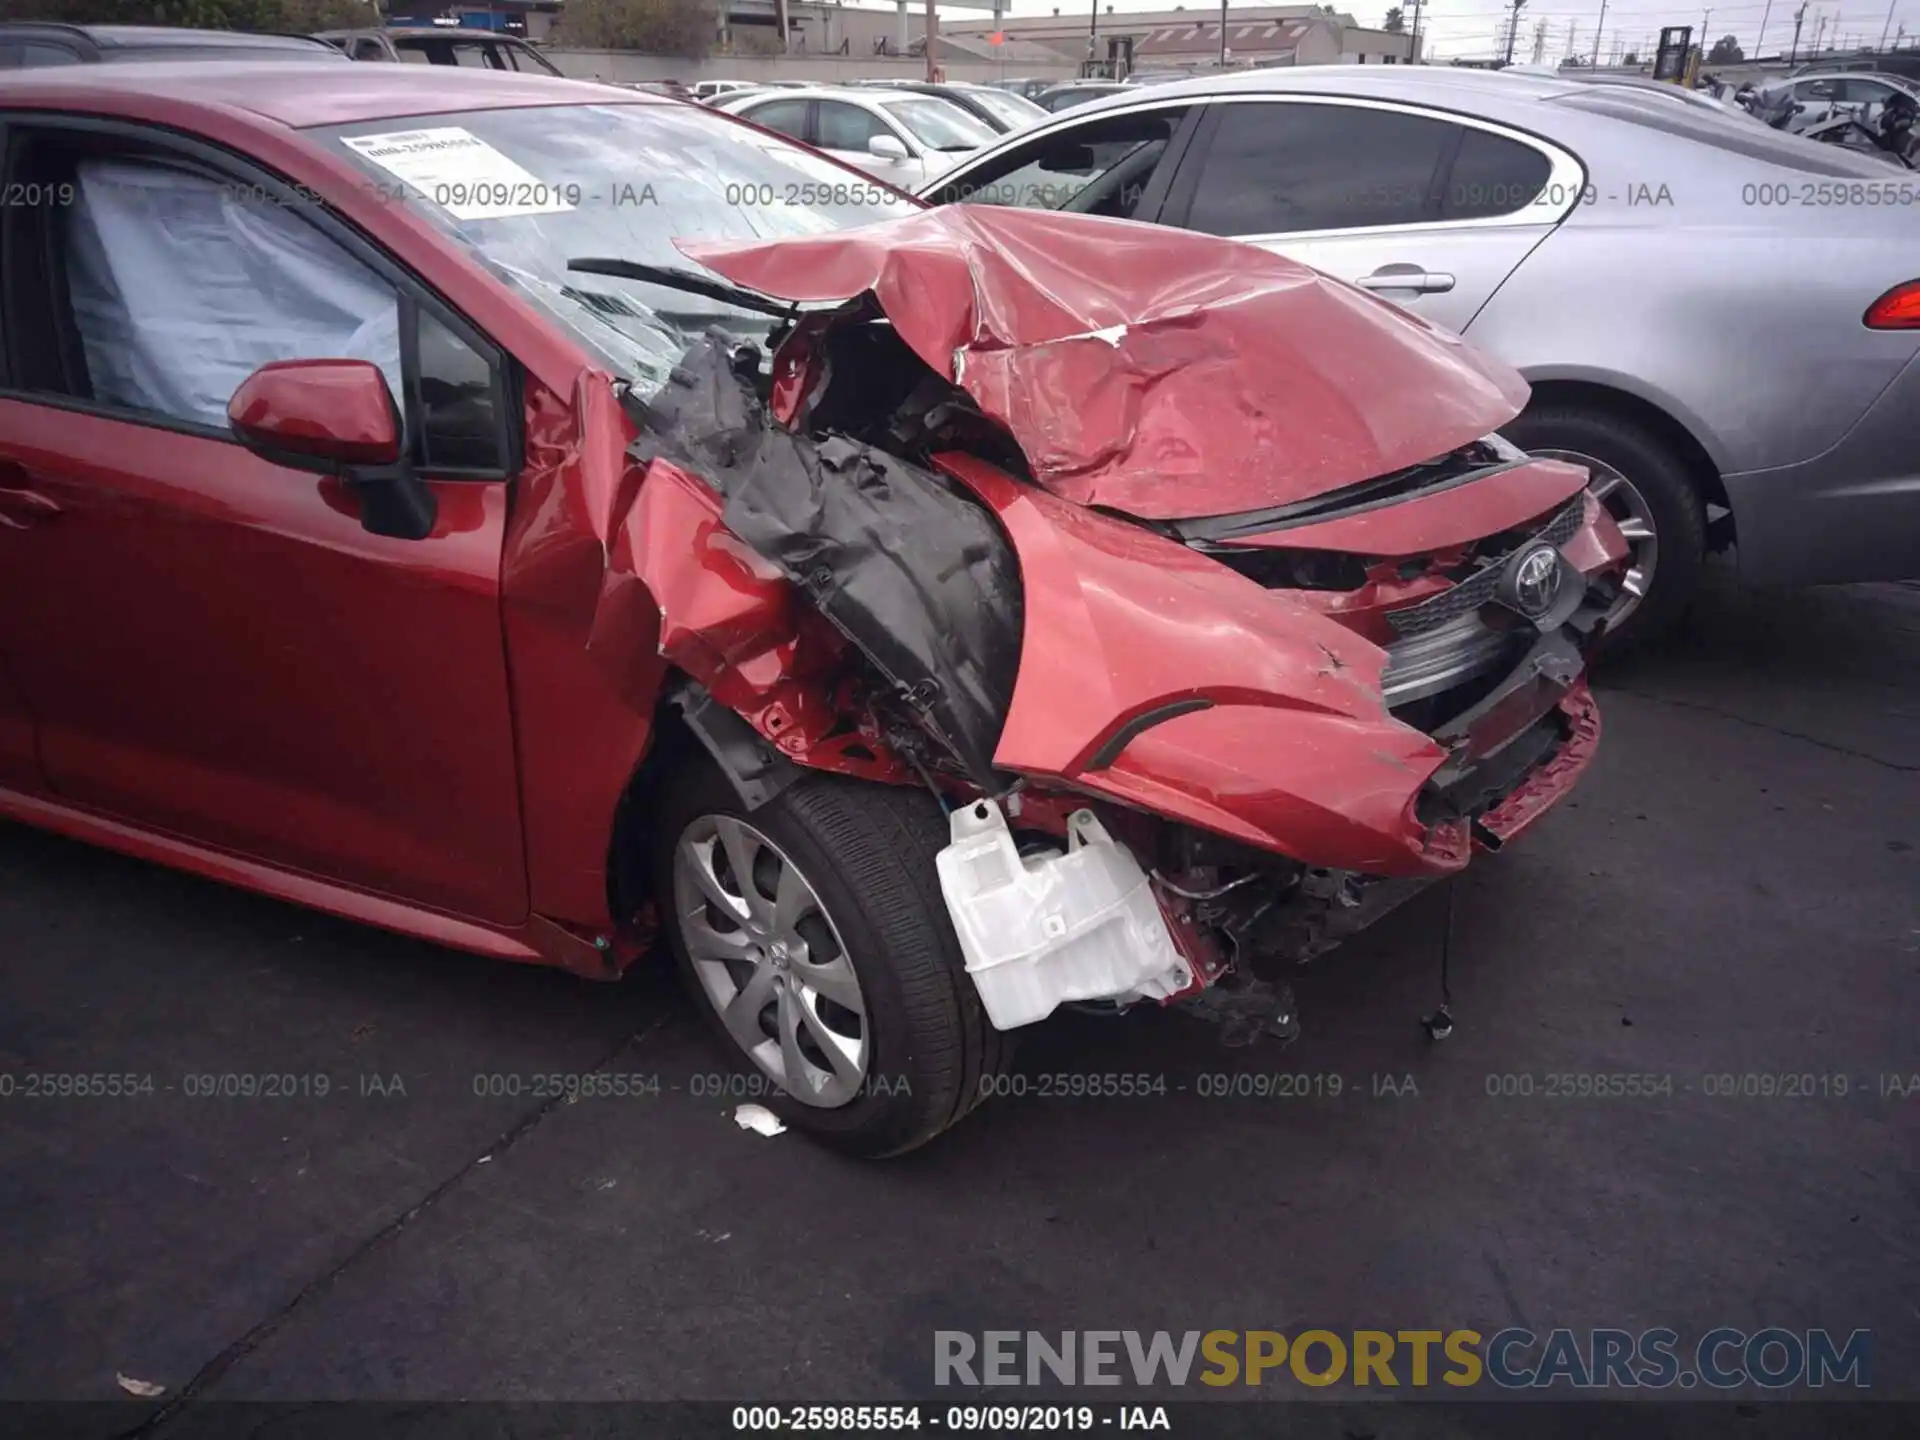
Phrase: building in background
(1187, 39)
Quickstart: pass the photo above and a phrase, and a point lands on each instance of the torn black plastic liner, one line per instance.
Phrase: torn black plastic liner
(916, 576)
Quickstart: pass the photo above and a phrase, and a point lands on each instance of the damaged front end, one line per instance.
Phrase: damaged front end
(1212, 651)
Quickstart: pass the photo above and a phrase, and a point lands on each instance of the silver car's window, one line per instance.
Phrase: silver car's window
(1056, 170)
(1273, 169)
(1492, 175)
(528, 190)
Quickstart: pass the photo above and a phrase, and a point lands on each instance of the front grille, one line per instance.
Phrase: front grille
(1443, 658)
(1477, 589)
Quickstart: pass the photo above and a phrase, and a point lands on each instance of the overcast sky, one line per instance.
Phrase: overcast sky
(1468, 28)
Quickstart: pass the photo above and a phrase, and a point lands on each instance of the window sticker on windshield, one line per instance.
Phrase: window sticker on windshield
(464, 175)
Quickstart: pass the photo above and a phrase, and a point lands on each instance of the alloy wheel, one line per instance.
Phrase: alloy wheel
(770, 960)
(1631, 512)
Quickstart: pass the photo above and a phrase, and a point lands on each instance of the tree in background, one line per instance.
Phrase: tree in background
(656, 27)
(1726, 51)
(294, 16)
(1395, 21)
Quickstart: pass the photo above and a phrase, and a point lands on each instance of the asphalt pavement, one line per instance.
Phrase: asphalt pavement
(1734, 891)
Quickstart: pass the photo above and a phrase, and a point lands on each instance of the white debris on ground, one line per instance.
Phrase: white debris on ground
(758, 1118)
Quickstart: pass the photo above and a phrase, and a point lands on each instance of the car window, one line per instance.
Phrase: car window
(939, 124)
(459, 426)
(1865, 92)
(472, 57)
(1492, 175)
(180, 286)
(414, 57)
(1010, 109)
(1118, 153)
(552, 184)
(1281, 168)
(789, 117)
(369, 50)
(34, 55)
(841, 126)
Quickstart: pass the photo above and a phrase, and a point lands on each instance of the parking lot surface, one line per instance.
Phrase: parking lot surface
(1733, 892)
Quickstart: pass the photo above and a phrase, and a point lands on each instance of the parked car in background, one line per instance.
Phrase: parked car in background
(32, 44)
(1862, 93)
(674, 89)
(1905, 64)
(1025, 86)
(713, 89)
(476, 49)
(422, 554)
(896, 136)
(1001, 111)
(1077, 92)
(1608, 244)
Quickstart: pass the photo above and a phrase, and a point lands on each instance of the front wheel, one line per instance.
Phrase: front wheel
(1647, 491)
(813, 935)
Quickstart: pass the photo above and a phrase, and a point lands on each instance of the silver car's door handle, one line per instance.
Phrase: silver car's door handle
(1421, 282)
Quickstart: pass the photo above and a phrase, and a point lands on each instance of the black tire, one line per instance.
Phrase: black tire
(867, 850)
(1677, 510)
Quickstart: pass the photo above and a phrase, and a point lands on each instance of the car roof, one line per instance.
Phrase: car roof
(340, 95)
(1436, 85)
(160, 37)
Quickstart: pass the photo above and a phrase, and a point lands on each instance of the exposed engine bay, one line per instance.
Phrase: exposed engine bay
(1183, 741)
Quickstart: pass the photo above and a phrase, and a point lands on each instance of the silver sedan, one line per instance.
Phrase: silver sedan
(1719, 321)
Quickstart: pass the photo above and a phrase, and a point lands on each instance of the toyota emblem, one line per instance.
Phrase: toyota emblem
(1535, 581)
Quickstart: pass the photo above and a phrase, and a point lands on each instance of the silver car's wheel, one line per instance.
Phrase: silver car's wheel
(770, 960)
(1633, 514)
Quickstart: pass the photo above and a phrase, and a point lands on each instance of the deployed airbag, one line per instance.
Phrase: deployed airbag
(919, 578)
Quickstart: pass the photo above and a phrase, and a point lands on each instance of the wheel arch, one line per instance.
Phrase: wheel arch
(1580, 392)
(689, 727)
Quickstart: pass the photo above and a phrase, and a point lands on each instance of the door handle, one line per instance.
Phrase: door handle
(1421, 282)
(19, 506)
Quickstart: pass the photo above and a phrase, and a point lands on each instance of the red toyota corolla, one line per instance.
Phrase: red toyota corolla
(930, 618)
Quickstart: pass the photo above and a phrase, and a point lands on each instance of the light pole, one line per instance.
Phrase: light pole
(1799, 18)
(1223, 34)
(1760, 40)
(1889, 25)
(1596, 32)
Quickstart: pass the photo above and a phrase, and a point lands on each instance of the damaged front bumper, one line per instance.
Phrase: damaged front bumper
(1162, 771)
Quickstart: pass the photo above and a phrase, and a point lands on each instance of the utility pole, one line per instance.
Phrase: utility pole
(1799, 18)
(933, 44)
(1573, 38)
(1413, 41)
(1819, 29)
(1760, 40)
(1093, 27)
(1596, 32)
(1223, 36)
(1513, 27)
(1889, 25)
(1539, 40)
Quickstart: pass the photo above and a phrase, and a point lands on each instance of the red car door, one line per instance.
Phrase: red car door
(211, 644)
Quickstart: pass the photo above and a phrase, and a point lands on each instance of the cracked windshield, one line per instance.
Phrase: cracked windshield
(531, 189)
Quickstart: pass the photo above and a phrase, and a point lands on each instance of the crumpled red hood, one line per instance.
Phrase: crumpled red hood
(1163, 373)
